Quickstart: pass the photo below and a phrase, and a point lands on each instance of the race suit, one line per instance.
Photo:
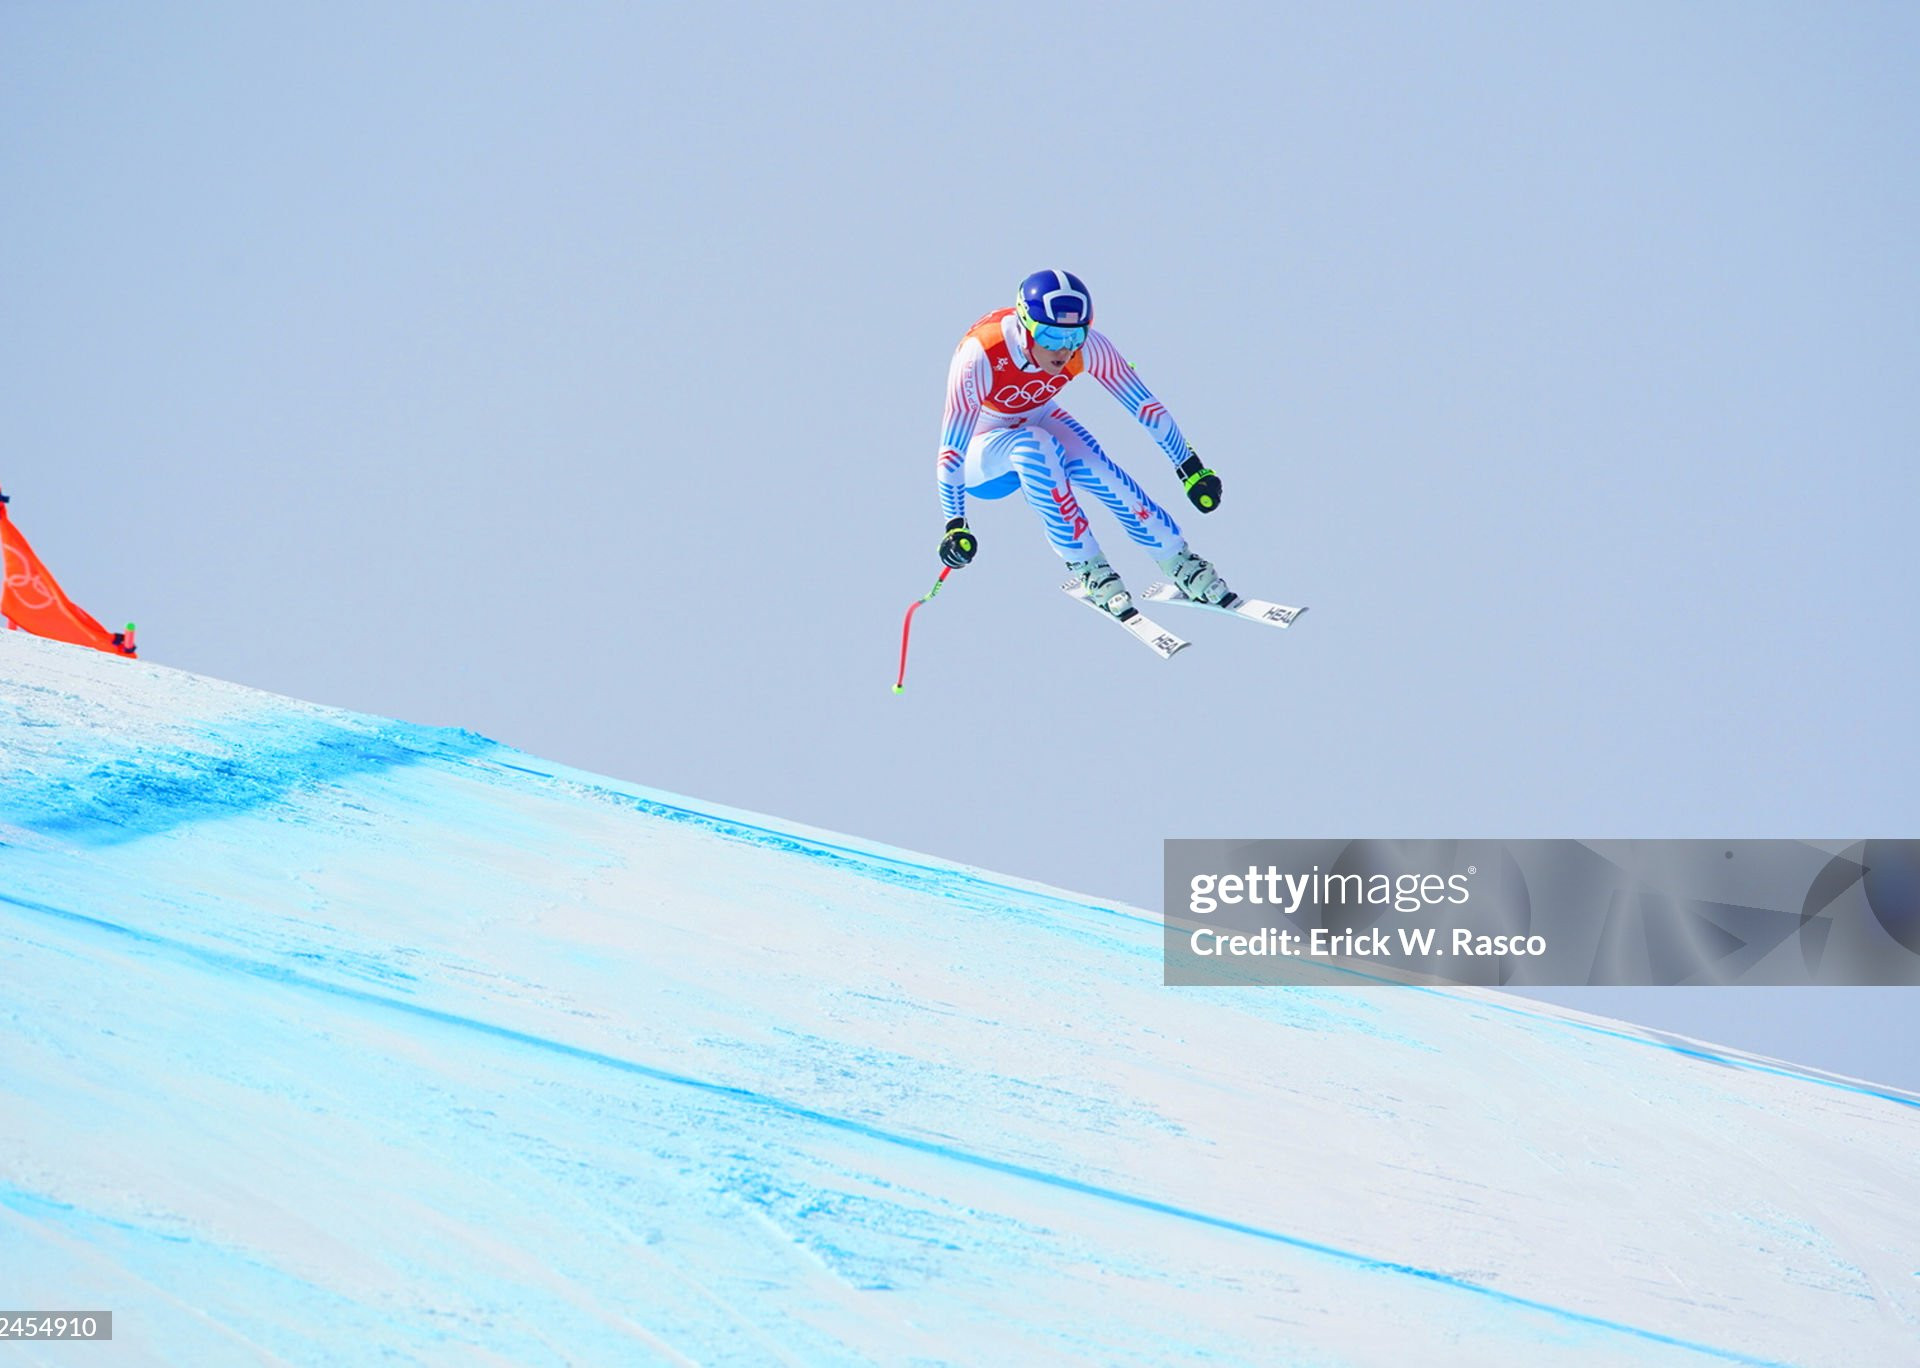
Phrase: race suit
(1002, 432)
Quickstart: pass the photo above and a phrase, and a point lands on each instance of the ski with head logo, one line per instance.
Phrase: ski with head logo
(1252, 609)
(1142, 628)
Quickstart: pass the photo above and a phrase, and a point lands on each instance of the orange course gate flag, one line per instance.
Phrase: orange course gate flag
(33, 601)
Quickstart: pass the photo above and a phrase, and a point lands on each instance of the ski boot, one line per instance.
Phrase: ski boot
(1197, 579)
(1105, 589)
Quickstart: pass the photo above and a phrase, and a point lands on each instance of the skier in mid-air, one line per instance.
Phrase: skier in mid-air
(1003, 432)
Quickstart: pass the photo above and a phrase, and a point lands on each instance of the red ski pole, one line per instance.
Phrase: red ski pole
(907, 626)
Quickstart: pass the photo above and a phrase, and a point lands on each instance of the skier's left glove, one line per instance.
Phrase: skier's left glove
(957, 544)
(1201, 484)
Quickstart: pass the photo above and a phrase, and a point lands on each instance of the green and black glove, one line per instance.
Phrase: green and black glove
(957, 545)
(1201, 484)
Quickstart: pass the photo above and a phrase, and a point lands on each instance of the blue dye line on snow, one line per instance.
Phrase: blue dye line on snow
(35, 1207)
(225, 962)
(151, 791)
(154, 791)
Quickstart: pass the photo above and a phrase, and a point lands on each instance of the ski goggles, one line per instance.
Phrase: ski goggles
(1057, 339)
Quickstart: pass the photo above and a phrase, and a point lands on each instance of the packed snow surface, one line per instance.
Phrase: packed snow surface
(331, 1039)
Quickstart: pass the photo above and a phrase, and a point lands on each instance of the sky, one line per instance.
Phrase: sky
(573, 374)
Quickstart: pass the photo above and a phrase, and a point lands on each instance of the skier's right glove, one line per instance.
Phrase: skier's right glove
(957, 545)
(1201, 484)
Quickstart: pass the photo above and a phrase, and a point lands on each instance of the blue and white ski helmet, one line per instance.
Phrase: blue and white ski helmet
(1054, 299)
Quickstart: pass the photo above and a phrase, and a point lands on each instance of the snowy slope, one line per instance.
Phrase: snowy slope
(331, 1039)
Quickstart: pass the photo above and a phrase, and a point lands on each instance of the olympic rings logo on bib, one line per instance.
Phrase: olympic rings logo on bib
(1014, 398)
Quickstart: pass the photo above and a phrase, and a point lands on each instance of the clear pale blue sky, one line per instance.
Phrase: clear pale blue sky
(572, 373)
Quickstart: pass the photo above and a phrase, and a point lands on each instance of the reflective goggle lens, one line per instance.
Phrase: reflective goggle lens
(1059, 339)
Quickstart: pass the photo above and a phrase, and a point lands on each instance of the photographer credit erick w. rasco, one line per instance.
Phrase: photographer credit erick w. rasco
(1542, 912)
(1286, 893)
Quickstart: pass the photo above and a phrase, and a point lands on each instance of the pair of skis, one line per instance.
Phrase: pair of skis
(1138, 625)
(1166, 644)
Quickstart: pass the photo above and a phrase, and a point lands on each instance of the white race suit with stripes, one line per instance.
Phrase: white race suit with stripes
(1044, 453)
